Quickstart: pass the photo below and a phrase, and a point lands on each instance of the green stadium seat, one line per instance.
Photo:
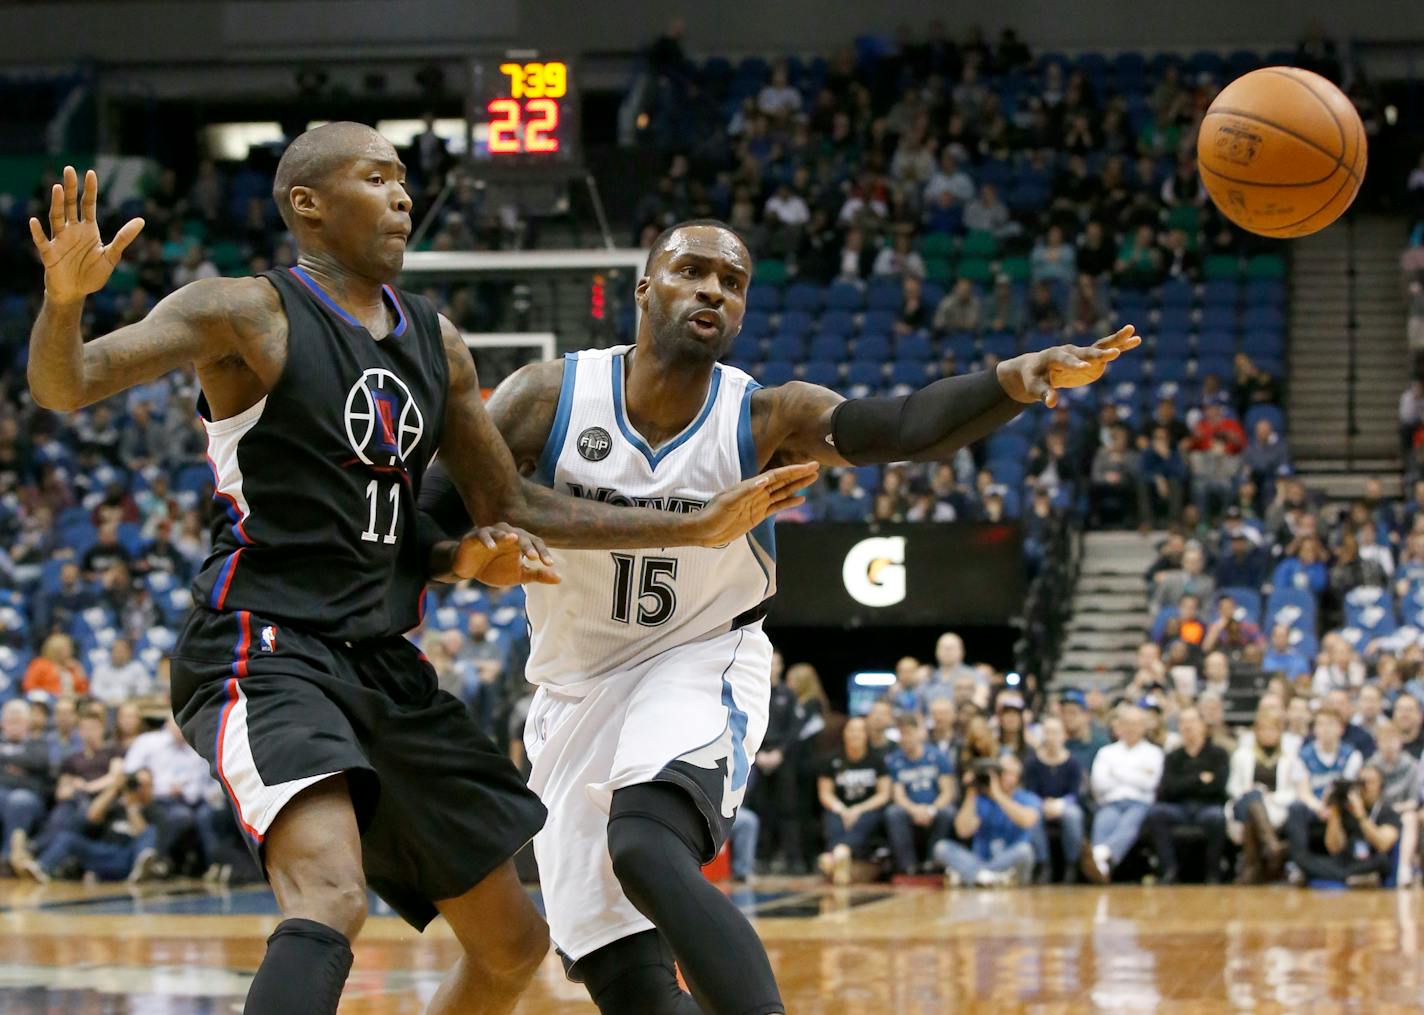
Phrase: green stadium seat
(1186, 217)
(771, 272)
(124, 279)
(195, 229)
(937, 246)
(1266, 266)
(976, 269)
(980, 243)
(228, 258)
(1222, 266)
(1017, 268)
(939, 269)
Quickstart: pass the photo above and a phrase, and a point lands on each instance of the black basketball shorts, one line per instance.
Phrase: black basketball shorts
(274, 709)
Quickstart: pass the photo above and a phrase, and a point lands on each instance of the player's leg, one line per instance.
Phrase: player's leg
(634, 974)
(504, 939)
(658, 839)
(313, 857)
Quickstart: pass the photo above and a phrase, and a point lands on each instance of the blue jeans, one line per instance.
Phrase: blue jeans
(857, 836)
(20, 810)
(967, 864)
(1116, 826)
(108, 861)
(901, 829)
(1070, 834)
(1162, 818)
(1241, 808)
(745, 830)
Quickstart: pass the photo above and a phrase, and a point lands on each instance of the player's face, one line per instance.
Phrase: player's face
(366, 218)
(696, 293)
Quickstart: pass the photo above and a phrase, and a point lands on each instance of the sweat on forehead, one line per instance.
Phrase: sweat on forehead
(707, 237)
(314, 155)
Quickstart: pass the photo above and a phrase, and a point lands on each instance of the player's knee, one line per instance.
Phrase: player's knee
(334, 895)
(633, 846)
(510, 959)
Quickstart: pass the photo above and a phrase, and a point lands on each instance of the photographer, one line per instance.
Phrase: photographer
(1322, 763)
(117, 839)
(1361, 831)
(922, 788)
(998, 818)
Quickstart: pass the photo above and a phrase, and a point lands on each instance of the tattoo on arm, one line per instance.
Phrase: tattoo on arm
(793, 421)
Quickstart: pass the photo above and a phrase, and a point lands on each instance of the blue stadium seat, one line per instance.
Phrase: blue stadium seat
(1292, 607)
(822, 372)
(1267, 412)
(874, 348)
(805, 296)
(1218, 319)
(837, 322)
(1010, 472)
(746, 348)
(1265, 292)
(794, 322)
(787, 347)
(1177, 292)
(878, 322)
(1411, 606)
(1175, 319)
(864, 374)
(756, 322)
(776, 372)
(829, 347)
(1219, 366)
(1246, 599)
(885, 296)
(914, 346)
(1216, 342)
(845, 296)
(1008, 444)
(1003, 344)
(962, 346)
(1263, 318)
(1370, 610)
(1169, 368)
(908, 372)
(1220, 292)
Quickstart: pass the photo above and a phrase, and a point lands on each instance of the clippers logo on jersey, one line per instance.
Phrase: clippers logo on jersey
(594, 444)
(382, 418)
(269, 639)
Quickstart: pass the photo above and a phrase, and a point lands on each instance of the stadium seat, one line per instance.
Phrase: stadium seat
(865, 374)
(829, 347)
(775, 372)
(1246, 599)
(822, 372)
(1222, 267)
(1370, 610)
(877, 322)
(885, 297)
(794, 322)
(845, 296)
(1268, 266)
(1266, 412)
(909, 373)
(804, 296)
(872, 348)
(914, 346)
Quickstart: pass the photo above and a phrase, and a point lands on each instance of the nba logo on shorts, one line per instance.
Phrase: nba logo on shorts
(595, 444)
(269, 639)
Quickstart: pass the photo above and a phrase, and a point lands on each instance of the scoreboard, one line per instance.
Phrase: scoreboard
(524, 114)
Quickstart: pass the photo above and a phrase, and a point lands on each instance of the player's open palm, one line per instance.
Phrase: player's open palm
(76, 260)
(1040, 375)
(502, 555)
(735, 512)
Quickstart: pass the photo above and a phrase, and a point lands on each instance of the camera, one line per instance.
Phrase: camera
(1339, 793)
(131, 783)
(983, 768)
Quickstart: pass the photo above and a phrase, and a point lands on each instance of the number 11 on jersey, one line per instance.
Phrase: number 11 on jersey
(373, 494)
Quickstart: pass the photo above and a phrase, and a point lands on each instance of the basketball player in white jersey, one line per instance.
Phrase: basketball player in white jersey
(653, 670)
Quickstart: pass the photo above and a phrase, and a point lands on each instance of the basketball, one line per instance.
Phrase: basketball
(1282, 152)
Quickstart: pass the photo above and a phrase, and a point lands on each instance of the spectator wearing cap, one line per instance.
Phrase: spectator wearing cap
(1401, 774)
(1244, 564)
(922, 790)
(853, 788)
(1124, 782)
(1322, 762)
(1054, 776)
(1282, 657)
(1084, 736)
(1191, 794)
(1009, 721)
(1261, 792)
(997, 818)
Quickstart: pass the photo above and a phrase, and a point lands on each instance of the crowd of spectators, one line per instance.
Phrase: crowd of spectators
(951, 773)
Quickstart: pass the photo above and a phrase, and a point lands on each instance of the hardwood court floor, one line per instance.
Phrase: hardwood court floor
(174, 950)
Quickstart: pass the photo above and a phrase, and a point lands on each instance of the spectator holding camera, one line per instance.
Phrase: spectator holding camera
(179, 780)
(922, 794)
(1054, 776)
(997, 817)
(1324, 761)
(853, 788)
(24, 780)
(1360, 833)
(83, 774)
(1192, 794)
(1124, 783)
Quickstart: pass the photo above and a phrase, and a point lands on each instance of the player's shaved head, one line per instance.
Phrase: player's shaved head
(667, 240)
(316, 154)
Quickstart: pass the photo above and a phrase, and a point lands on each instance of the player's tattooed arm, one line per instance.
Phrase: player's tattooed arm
(804, 421)
(212, 324)
(482, 469)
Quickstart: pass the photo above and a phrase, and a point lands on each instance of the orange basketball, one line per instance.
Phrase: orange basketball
(1282, 152)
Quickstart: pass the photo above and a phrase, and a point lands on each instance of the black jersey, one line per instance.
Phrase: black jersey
(318, 481)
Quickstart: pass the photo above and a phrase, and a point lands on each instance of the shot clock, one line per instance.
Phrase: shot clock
(525, 113)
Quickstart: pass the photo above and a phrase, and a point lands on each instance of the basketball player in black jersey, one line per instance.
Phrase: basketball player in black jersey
(326, 393)
(693, 297)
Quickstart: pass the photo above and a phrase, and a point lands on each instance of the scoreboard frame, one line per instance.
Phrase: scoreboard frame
(528, 105)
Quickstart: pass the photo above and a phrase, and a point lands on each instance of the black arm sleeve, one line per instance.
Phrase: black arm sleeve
(927, 425)
(442, 510)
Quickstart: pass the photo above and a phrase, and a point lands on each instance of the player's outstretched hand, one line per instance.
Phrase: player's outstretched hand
(502, 555)
(1037, 376)
(735, 512)
(75, 258)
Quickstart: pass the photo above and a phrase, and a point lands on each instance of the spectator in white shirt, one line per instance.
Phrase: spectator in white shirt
(1370, 548)
(1124, 782)
(779, 99)
(181, 781)
(195, 265)
(787, 207)
(900, 258)
(120, 677)
(986, 213)
(949, 177)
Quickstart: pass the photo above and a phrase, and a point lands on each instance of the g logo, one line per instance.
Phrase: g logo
(874, 571)
(382, 417)
(594, 444)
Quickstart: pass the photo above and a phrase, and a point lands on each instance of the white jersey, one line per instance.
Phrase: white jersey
(615, 609)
